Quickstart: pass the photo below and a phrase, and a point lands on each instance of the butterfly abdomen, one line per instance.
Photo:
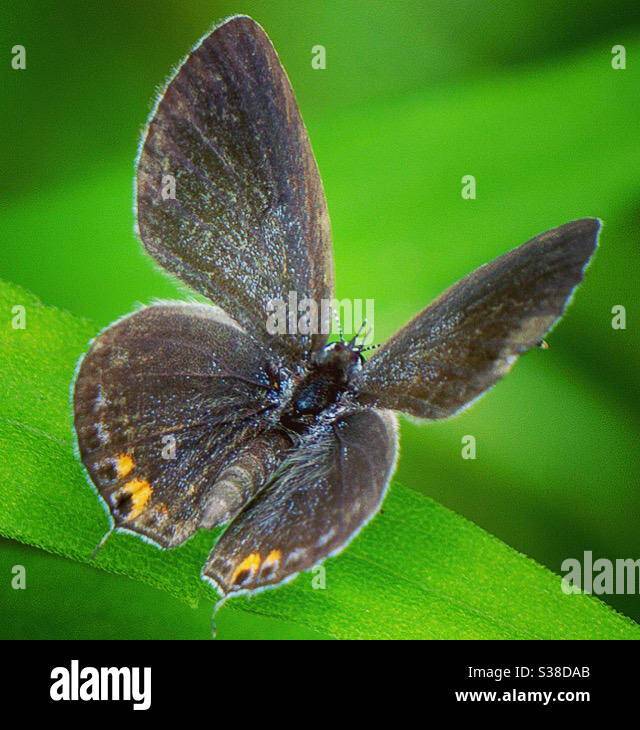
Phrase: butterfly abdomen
(244, 475)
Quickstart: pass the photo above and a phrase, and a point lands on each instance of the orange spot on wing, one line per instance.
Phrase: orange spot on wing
(273, 557)
(140, 492)
(124, 464)
(250, 563)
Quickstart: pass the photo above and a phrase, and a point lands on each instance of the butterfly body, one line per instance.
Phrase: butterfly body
(329, 379)
(190, 416)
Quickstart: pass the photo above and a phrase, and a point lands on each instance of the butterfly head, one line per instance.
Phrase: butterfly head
(344, 356)
(341, 357)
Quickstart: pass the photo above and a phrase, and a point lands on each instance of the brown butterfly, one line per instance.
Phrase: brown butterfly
(290, 440)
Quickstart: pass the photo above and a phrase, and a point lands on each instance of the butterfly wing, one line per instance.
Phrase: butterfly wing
(470, 336)
(248, 221)
(163, 399)
(329, 488)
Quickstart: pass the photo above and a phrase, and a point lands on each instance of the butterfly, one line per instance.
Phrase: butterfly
(190, 416)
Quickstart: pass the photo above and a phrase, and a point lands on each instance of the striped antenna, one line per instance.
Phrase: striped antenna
(336, 316)
(357, 334)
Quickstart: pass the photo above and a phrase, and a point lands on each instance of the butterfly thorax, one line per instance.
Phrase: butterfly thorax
(331, 373)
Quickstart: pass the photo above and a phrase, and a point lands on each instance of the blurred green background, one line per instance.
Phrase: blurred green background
(415, 95)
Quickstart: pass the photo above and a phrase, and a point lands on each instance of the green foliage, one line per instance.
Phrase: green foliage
(418, 571)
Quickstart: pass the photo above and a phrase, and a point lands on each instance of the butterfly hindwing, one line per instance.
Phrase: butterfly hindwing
(319, 499)
(470, 336)
(163, 399)
(229, 198)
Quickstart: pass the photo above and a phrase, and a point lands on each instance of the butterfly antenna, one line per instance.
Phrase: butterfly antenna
(357, 334)
(336, 316)
(369, 347)
(107, 534)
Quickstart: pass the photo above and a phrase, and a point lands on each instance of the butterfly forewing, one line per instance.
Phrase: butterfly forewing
(316, 503)
(162, 400)
(246, 219)
(469, 337)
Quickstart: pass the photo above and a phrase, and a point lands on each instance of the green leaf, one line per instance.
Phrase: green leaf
(418, 571)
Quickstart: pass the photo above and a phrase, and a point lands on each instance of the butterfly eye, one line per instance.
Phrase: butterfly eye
(326, 354)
